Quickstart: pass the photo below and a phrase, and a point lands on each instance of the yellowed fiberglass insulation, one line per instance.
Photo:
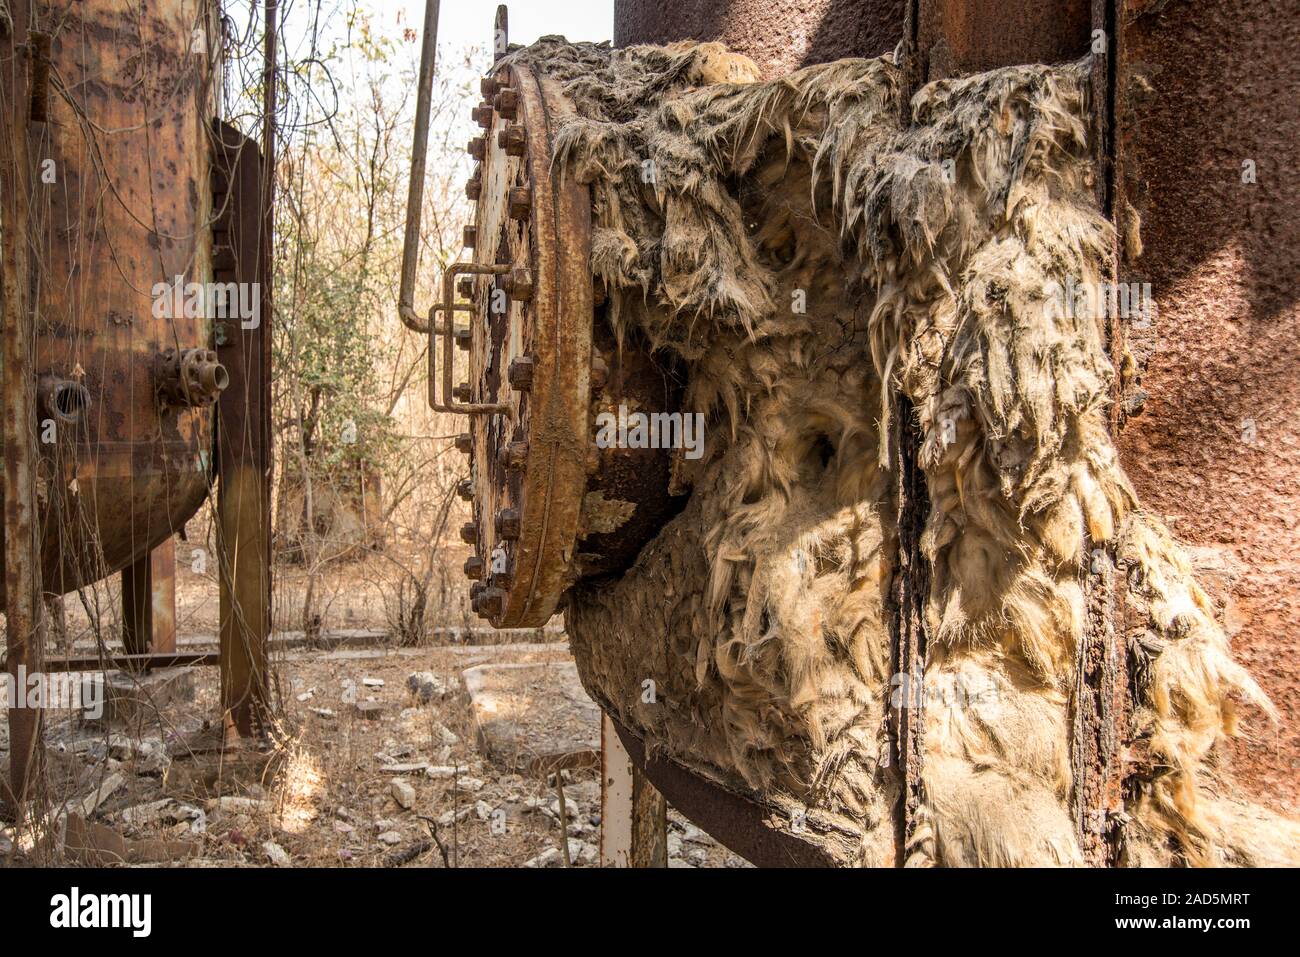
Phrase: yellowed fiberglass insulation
(761, 611)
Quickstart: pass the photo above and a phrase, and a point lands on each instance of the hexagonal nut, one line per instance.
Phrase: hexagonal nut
(518, 284)
(509, 525)
(465, 443)
(489, 86)
(506, 103)
(521, 202)
(520, 373)
(491, 602)
(474, 188)
(474, 568)
(470, 237)
(469, 533)
(462, 392)
(478, 147)
(465, 489)
(465, 287)
(463, 336)
(513, 139)
(482, 115)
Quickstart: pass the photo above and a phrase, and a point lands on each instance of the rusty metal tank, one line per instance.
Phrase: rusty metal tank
(123, 206)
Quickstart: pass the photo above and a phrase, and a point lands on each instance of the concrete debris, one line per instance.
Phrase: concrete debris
(535, 716)
(103, 790)
(415, 767)
(446, 818)
(580, 854)
(445, 735)
(277, 854)
(426, 687)
(370, 710)
(403, 793)
(240, 805)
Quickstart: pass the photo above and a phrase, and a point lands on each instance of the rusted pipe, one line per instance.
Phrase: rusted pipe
(447, 328)
(415, 192)
(190, 377)
(64, 401)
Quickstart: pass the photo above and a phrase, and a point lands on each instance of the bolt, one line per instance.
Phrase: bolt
(508, 524)
(470, 237)
(488, 86)
(474, 568)
(507, 103)
(599, 374)
(482, 115)
(469, 533)
(521, 202)
(513, 139)
(518, 284)
(465, 287)
(520, 374)
(461, 393)
(478, 148)
(463, 337)
(490, 602)
(465, 443)
(473, 188)
(465, 489)
(513, 456)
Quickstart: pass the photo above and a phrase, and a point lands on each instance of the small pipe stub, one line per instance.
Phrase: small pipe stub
(190, 377)
(63, 400)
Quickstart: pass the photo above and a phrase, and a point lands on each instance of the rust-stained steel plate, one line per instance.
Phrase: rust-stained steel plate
(530, 351)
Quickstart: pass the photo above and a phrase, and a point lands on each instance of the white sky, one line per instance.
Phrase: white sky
(466, 22)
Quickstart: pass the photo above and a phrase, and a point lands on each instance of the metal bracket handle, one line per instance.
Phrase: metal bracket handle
(447, 328)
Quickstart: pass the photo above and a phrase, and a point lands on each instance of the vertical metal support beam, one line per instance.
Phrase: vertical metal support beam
(22, 566)
(633, 814)
(137, 609)
(162, 571)
(242, 254)
(149, 602)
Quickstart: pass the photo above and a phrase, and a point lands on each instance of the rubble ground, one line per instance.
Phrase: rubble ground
(380, 766)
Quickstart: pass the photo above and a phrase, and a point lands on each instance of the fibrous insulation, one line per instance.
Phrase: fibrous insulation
(816, 250)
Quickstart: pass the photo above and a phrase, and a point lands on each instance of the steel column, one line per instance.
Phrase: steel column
(149, 602)
(22, 567)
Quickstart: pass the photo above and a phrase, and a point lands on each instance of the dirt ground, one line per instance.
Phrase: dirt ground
(368, 772)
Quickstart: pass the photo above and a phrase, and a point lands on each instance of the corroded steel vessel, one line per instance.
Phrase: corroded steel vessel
(122, 212)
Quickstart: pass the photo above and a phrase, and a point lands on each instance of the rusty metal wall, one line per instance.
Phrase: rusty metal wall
(127, 203)
(779, 35)
(1205, 87)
